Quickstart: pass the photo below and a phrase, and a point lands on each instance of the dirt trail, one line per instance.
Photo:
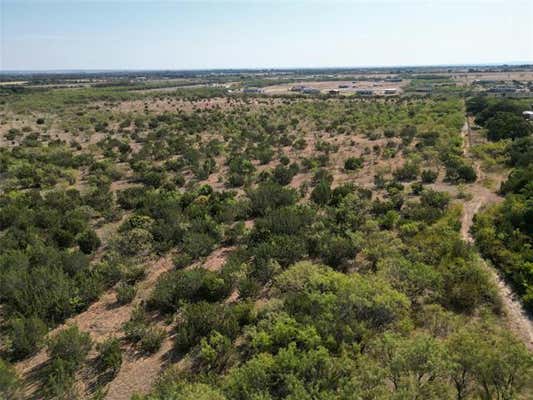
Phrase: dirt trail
(515, 316)
(102, 320)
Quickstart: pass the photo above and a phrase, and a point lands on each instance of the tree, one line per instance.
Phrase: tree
(507, 125)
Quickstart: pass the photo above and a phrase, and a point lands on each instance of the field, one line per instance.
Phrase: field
(344, 87)
(191, 242)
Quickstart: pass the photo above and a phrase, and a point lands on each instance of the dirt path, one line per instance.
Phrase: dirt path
(515, 316)
(102, 320)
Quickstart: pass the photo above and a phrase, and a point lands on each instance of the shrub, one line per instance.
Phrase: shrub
(429, 176)
(269, 196)
(321, 194)
(214, 350)
(89, 241)
(407, 172)
(110, 357)
(353, 163)
(59, 380)
(135, 328)
(198, 244)
(125, 293)
(335, 250)
(135, 242)
(151, 340)
(188, 285)
(71, 346)
(9, 383)
(282, 175)
(26, 335)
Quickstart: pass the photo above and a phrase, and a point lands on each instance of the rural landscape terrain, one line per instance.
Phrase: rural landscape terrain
(309, 234)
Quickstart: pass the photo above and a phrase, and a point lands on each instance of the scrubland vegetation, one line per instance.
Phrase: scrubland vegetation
(344, 274)
(504, 231)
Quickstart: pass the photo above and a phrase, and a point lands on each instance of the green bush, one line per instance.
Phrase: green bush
(353, 163)
(71, 346)
(429, 176)
(110, 355)
(26, 336)
(137, 325)
(125, 293)
(89, 241)
(151, 340)
(321, 194)
(9, 383)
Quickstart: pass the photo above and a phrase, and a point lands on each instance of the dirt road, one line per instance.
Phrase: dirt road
(515, 316)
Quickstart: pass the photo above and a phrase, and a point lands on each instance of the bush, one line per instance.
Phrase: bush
(429, 176)
(89, 241)
(198, 244)
(110, 357)
(188, 285)
(71, 346)
(335, 250)
(125, 293)
(26, 335)
(135, 242)
(407, 172)
(269, 196)
(59, 380)
(321, 194)
(353, 163)
(151, 340)
(9, 383)
(214, 351)
(282, 175)
(135, 328)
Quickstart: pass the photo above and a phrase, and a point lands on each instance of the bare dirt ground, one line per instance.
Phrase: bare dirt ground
(493, 76)
(325, 86)
(515, 316)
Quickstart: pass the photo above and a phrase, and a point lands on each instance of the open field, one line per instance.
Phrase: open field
(344, 87)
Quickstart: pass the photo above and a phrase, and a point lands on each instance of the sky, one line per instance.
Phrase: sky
(120, 34)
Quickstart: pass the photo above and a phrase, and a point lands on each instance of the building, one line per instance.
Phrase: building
(502, 89)
(390, 91)
(424, 89)
(297, 88)
(364, 92)
(308, 90)
(252, 90)
(528, 115)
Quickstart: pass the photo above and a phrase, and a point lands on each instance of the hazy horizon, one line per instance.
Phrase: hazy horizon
(43, 35)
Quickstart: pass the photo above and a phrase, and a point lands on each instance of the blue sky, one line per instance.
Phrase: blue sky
(43, 35)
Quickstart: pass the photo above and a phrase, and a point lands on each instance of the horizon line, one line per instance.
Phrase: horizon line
(93, 70)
